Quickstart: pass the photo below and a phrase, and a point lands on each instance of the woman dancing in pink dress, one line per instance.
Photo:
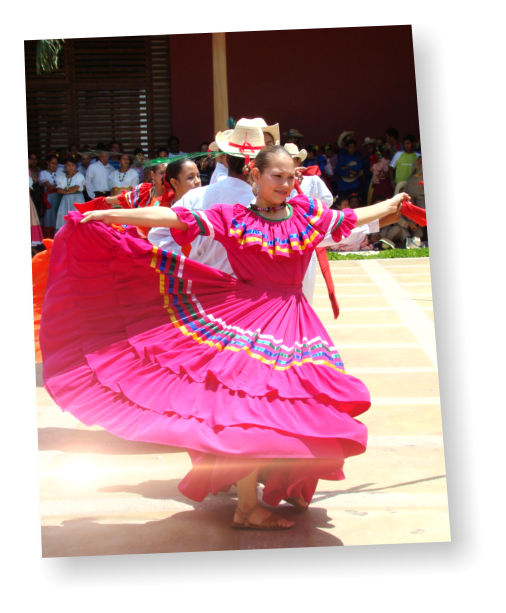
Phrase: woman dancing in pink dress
(240, 372)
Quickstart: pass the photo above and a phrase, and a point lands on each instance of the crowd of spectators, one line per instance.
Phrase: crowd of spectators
(357, 174)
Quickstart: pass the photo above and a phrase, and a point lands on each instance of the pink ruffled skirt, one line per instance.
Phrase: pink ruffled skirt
(158, 348)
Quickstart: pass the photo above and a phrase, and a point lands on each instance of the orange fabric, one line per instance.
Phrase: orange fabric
(40, 270)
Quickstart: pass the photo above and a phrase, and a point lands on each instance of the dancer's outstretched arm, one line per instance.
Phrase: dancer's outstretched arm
(150, 217)
(392, 207)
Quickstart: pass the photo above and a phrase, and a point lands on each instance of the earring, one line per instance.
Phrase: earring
(254, 187)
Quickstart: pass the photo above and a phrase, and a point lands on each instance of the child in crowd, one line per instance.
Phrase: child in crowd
(71, 186)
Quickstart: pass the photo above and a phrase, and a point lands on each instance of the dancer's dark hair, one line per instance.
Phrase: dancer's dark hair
(174, 170)
(262, 160)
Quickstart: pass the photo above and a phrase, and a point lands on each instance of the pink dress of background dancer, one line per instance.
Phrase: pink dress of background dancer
(240, 372)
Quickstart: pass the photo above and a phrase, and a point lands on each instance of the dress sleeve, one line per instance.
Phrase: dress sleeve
(343, 224)
(210, 223)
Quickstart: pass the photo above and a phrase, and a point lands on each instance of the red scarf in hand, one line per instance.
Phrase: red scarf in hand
(415, 213)
(323, 260)
(311, 171)
(97, 204)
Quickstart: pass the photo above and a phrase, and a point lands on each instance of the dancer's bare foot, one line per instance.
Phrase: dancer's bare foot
(256, 514)
(298, 501)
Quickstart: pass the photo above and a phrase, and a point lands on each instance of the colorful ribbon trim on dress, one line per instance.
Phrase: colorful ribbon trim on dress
(295, 241)
(187, 314)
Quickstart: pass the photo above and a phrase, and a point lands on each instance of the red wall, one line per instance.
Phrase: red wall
(320, 82)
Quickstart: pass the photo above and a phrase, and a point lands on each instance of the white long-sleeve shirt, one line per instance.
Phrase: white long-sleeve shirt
(97, 178)
(204, 249)
(314, 187)
(220, 173)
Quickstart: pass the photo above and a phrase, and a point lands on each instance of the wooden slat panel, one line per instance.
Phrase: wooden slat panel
(113, 88)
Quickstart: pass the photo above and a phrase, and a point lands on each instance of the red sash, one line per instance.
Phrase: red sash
(323, 260)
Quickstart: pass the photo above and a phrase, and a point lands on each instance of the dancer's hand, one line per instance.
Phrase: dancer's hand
(298, 174)
(95, 216)
(396, 201)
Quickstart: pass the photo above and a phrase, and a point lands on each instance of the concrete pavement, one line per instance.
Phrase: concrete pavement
(101, 495)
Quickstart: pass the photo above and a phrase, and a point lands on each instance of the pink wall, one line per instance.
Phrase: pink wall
(318, 81)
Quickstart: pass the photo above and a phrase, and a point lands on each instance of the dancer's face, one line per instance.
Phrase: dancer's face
(157, 175)
(277, 180)
(189, 178)
(52, 165)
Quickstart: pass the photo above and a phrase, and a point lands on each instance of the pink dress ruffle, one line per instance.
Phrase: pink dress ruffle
(156, 347)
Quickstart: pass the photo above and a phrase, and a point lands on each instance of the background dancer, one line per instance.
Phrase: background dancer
(184, 368)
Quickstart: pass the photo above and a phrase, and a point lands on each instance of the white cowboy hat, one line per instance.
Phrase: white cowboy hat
(293, 132)
(245, 140)
(368, 141)
(293, 150)
(342, 136)
(213, 146)
(272, 130)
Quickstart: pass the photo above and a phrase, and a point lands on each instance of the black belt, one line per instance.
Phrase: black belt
(102, 194)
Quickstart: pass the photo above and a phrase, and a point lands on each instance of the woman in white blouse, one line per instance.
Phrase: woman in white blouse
(71, 186)
(48, 178)
(125, 178)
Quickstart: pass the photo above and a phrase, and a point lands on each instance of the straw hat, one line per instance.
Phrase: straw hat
(342, 136)
(357, 176)
(293, 132)
(293, 150)
(213, 146)
(368, 141)
(272, 130)
(245, 140)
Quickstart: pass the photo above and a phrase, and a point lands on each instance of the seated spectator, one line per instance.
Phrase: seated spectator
(402, 162)
(392, 143)
(400, 231)
(354, 201)
(174, 149)
(163, 152)
(125, 178)
(415, 186)
(70, 186)
(97, 177)
(115, 148)
(349, 170)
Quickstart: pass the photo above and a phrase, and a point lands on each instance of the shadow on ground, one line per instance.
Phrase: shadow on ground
(205, 528)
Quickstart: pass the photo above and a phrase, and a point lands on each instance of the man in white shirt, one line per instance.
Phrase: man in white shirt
(97, 177)
(233, 189)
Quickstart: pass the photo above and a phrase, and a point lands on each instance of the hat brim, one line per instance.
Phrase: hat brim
(302, 155)
(273, 131)
(223, 142)
(295, 134)
(343, 136)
